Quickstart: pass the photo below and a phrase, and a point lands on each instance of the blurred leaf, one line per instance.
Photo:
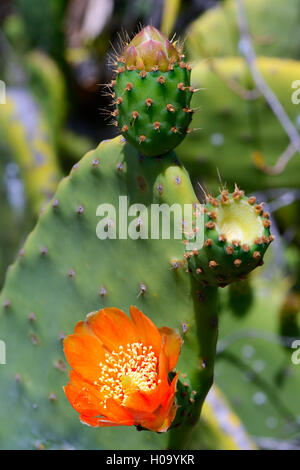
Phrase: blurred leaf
(170, 14)
(254, 370)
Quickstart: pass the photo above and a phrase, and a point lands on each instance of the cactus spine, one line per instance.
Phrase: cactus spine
(152, 93)
(237, 234)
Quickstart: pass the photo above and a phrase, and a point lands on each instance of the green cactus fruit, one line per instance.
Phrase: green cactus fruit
(236, 236)
(152, 93)
(185, 400)
(241, 297)
(289, 324)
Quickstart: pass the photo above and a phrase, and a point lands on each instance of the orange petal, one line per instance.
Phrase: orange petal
(83, 396)
(165, 414)
(140, 401)
(113, 328)
(172, 346)
(86, 400)
(84, 352)
(118, 413)
(94, 422)
(81, 328)
(102, 422)
(172, 392)
(148, 332)
(163, 367)
(163, 425)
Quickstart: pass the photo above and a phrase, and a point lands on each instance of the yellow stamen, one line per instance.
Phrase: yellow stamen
(133, 367)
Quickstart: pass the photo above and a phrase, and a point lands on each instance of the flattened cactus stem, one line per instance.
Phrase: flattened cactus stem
(206, 307)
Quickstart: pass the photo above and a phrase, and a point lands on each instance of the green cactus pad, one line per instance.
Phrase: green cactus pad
(267, 19)
(65, 271)
(153, 108)
(237, 234)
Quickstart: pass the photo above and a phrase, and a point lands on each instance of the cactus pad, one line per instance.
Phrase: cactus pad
(65, 271)
(228, 139)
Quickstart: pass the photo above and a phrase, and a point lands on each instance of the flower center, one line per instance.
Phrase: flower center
(132, 367)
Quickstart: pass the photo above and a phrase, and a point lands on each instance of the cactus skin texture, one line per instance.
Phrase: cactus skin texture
(185, 399)
(236, 236)
(65, 271)
(152, 94)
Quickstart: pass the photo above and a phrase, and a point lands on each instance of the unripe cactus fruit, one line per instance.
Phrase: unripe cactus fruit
(240, 298)
(185, 400)
(152, 93)
(236, 236)
(289, 324)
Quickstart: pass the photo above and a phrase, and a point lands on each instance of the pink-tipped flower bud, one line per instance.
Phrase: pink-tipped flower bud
(150, 48)
(131, 56)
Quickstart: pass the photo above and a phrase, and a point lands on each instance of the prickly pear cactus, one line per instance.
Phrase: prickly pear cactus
(27, 139)
(215, 33)
(254, 371)
(65, 271)
(13, 213)
(152, 93)
(237, 234)
(48, 86)
(238, 133)
(73, 263)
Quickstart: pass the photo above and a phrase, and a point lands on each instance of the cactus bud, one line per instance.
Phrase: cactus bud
(155, 88)
(150, 49)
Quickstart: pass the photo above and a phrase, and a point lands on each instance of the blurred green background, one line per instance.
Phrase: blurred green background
(54, 56)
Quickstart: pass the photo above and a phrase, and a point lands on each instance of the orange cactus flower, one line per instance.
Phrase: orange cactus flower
(120, 369)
